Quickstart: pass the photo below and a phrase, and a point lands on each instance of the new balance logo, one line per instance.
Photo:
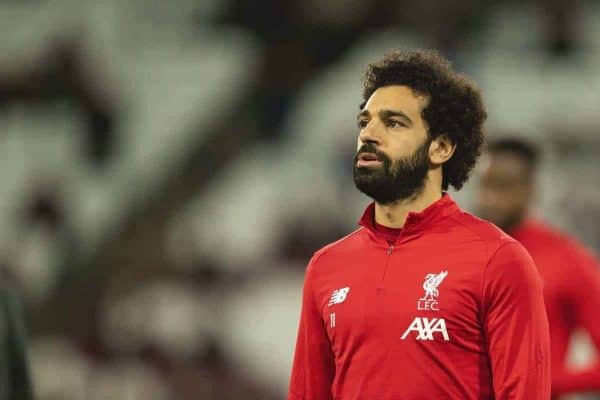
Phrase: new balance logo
(425, 328)
(338, 296)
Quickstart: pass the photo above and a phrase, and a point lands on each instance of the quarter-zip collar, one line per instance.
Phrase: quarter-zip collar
(416, 222)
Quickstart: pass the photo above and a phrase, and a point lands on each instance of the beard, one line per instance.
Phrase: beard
(392, 180)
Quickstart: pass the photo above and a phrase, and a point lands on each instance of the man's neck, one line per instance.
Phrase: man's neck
(394, 215)
(514, 223)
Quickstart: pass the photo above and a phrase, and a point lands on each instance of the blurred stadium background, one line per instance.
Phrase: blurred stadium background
(168, 167)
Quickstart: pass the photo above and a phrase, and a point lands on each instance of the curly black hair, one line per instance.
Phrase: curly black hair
(455, 107)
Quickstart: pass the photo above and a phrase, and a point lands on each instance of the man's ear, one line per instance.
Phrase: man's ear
(441, 149)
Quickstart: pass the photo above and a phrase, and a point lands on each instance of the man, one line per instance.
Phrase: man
(423, 301)
(14, 372)
(570, 274)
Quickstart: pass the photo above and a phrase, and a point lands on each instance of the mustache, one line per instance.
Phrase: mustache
(370, 148)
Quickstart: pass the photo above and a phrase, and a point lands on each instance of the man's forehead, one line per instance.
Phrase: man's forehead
(504, 163)
(395, 97)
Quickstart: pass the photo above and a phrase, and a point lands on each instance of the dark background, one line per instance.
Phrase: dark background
(168, 167)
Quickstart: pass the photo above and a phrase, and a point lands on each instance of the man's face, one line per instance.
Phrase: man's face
(505, 188)
(392, 159)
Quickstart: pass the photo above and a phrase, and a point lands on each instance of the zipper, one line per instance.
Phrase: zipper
(389, 256)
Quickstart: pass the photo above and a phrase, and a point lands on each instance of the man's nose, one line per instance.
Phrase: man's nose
(371, 133)
(486, 197)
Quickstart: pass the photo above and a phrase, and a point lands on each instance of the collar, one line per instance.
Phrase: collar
(416, 222)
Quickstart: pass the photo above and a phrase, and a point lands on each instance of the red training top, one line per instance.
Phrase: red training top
(572, 295)
(453, 309)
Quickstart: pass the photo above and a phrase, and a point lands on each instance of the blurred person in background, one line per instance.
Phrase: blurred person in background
(423, 300)
(14, 369)
(570, 273)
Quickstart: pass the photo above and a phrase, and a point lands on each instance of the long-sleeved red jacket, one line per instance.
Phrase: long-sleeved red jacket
(572, 295)
(452, 310)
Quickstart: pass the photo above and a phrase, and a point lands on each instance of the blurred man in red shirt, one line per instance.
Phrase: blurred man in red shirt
(423, 301)
(570, 273)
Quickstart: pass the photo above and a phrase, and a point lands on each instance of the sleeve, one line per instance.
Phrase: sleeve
(584, 297)
(19, 385)
(516, 326)
(313, 367)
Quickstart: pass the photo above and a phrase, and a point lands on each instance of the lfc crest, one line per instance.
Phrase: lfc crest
(431, 284)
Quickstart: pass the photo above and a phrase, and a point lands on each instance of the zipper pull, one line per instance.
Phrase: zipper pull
(390, 249)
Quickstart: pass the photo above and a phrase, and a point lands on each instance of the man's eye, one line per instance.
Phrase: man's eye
(395, 124)
(362, 123)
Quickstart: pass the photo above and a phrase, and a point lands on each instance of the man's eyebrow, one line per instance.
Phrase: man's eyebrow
(385, 114)
(363, 113)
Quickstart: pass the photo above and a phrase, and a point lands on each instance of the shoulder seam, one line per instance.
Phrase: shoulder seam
(485, 269)
(453, 217)
(325, 249)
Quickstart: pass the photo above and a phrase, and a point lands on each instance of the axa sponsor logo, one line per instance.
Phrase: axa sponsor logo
(427, 329)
